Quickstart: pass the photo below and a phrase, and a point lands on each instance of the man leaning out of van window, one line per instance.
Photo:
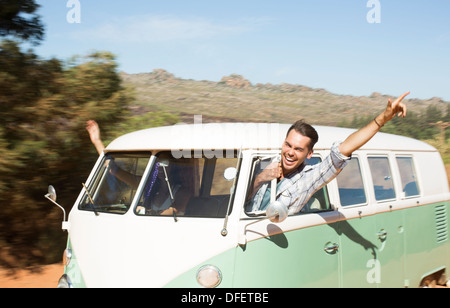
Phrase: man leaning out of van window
(298, 182)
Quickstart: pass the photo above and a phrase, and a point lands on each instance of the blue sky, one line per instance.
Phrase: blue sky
(318, 43)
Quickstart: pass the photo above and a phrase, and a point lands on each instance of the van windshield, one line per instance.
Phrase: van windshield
(195, 186)
(115, 183)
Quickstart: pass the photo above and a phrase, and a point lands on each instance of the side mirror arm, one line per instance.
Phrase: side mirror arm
(51, 196)
(276, 212)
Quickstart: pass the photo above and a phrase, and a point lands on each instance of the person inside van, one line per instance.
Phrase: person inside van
(157, 197)
(159, 200)
(297, 182)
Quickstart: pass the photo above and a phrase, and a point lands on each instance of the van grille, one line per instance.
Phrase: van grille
(441, 223)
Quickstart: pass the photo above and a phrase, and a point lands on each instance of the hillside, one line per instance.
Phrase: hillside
(236, 99)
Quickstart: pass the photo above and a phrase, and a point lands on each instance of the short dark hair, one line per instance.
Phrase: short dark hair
(306, 130)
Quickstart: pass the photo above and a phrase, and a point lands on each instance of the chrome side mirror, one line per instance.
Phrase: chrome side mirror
(51, 193)
(277, 212)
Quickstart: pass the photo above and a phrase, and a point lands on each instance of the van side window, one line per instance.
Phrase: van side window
(258, 198)
(410, 186)
(350, 183)
(383, 184)
(319, 201)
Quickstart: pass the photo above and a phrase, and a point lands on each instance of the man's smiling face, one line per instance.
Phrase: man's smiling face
(296, 148)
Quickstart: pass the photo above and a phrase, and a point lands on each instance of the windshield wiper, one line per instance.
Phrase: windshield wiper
(90, 199)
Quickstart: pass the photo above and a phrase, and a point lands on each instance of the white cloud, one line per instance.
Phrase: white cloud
(153, 28)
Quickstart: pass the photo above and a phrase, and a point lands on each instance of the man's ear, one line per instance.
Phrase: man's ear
(310, 154)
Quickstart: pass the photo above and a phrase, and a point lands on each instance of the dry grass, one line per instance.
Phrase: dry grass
(38, 277)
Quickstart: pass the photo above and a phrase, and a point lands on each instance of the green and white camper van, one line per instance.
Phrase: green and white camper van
(383, 222)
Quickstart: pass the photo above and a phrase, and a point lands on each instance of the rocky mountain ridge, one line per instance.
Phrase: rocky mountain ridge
(234, 98)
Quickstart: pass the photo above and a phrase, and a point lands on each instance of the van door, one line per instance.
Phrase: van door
(389, 224)
(360, 264)
(302, 251)
(292, 254)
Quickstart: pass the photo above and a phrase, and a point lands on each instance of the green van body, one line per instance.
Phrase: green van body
(398, 240)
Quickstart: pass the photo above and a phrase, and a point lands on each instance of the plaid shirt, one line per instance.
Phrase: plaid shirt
(297, 188)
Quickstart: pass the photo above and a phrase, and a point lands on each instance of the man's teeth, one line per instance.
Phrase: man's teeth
(289, 160)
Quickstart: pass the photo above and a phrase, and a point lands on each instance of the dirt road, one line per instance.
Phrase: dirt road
(42, 277)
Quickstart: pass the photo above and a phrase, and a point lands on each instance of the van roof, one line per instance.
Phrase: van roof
(227, 136)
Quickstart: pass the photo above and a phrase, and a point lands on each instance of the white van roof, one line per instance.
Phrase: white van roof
(227, 136)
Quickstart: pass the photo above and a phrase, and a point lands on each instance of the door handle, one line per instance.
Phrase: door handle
(331, 248)
(382, 235)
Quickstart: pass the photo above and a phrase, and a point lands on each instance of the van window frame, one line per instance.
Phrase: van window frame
(359, 158)
(392, 175)
(208, 173)
(94, 183)
(414, 169)
(323, 190)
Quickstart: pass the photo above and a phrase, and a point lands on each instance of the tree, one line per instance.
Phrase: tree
(44, 107)
(18, 19)
(447, 115)
(24, 81)
(446, 118)
(442, 127)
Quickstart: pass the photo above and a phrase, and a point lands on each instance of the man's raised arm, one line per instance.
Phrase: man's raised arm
(362, 136)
